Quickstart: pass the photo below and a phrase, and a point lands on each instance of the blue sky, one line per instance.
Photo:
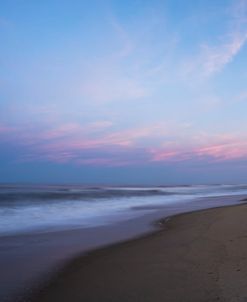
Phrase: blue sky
(123, 91)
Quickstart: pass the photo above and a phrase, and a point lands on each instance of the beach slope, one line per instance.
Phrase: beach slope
(200, 256)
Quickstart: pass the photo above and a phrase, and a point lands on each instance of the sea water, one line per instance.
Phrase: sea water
(38, 208)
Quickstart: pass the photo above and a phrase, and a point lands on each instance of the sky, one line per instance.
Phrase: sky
(123, 92)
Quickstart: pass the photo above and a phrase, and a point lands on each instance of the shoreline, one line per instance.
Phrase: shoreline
(53, 291)
(36, 257)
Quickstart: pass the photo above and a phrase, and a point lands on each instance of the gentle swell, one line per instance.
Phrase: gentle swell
(66, 194)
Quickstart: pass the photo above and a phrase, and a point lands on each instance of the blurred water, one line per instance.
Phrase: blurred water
(34, 208)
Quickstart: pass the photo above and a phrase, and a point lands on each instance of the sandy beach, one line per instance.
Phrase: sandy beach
(200, 256)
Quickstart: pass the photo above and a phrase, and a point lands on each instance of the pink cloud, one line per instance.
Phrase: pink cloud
(76, 137)
(227, 148)
(92, 144)
(163, 155)
(227, 151)
(6, 129)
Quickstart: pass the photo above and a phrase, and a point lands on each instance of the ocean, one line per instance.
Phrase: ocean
(44, 208)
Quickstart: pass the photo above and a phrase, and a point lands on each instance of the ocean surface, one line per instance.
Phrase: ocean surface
(44, 208)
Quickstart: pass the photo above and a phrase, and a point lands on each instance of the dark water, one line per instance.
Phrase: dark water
(37, 208)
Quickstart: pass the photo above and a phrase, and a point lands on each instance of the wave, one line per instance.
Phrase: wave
(27, 208)
(78, 194)
(24, 194)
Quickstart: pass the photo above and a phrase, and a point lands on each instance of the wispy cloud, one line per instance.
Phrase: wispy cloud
(93, 144)
(213, 148)
(106, 84)
(127, 45)
(214, 58)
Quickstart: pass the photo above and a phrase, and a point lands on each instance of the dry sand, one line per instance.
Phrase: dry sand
(200, 256)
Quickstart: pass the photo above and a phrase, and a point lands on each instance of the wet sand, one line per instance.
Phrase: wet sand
(200, 256)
